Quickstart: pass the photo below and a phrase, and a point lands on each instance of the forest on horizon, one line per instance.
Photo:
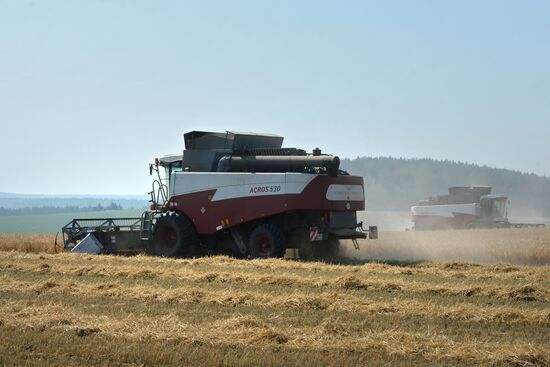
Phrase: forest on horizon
(399, 183)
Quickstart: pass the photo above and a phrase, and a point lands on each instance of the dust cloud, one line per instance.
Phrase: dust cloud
(526, 246)
(386, 220)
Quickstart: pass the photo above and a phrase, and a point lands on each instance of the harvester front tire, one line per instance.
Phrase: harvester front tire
(266, 240)
(174, 236)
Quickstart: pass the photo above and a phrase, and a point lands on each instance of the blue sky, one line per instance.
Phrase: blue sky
(91, 91)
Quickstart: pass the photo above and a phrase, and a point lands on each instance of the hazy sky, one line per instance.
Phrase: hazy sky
(92, 91)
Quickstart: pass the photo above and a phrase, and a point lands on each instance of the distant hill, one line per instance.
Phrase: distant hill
(40, 210)
(398, 183)
(19, 201)
(5, 195)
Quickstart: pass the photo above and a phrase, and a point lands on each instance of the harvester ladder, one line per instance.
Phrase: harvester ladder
(146, 225)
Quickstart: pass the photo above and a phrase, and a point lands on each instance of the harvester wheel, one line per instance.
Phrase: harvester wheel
(329, 249)
(326, 250)
(266, 240)
(174, 236)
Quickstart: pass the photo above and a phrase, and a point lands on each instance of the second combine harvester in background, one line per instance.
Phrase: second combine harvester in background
(464, 207)
(243, 193)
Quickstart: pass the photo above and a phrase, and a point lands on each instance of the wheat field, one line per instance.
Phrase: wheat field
(29, 242)
(65, 309)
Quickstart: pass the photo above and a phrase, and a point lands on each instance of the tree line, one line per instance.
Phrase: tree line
(399, 183)
(40, 210)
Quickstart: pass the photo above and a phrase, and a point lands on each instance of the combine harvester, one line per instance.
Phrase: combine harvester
(464, 207)
(239, 193)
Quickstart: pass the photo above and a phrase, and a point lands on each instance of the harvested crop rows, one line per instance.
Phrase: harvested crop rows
(62, 309)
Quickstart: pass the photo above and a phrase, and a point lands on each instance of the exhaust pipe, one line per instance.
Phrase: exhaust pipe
(279, 163)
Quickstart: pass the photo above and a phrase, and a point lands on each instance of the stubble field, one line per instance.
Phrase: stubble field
(63, 309)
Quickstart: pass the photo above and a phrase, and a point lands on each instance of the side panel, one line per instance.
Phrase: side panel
(215, 201)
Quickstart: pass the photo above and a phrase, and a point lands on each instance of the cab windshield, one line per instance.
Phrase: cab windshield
(171, 168)
(498, 209)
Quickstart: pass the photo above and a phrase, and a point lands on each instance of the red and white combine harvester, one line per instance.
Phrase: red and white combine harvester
(464, 207)
(240, 193)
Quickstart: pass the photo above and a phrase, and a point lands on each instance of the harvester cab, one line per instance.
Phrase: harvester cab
(494, 207)
(163, 168)
(245, 194)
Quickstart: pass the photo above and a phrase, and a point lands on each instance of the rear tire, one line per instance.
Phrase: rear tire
(174, 236)
(266, 240)
(327, 250)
